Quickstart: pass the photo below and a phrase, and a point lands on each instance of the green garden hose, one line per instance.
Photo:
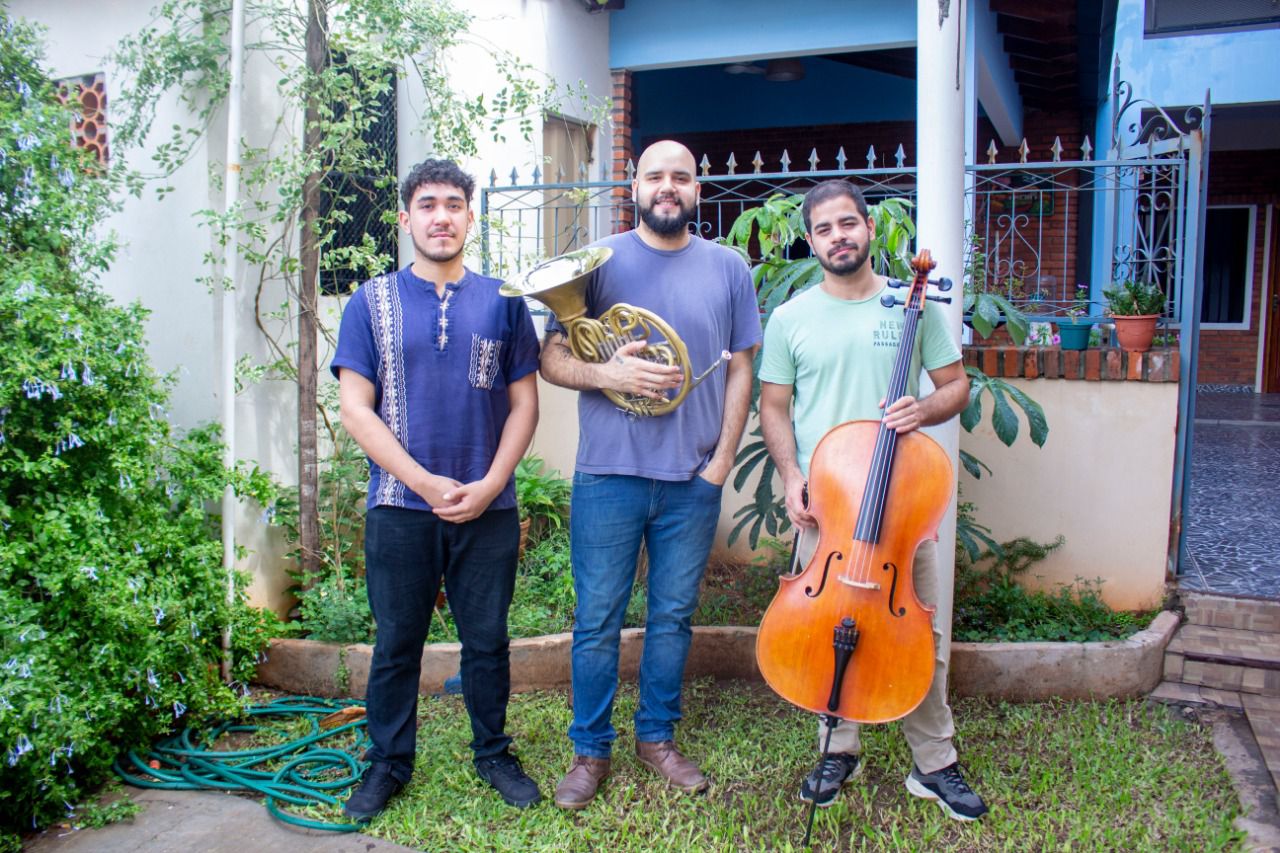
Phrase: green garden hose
(299, 772)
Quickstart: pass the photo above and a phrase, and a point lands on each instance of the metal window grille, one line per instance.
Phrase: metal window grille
(362, 203)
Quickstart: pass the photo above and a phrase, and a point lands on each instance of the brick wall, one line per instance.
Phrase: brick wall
(623, 212)
(1240, 177)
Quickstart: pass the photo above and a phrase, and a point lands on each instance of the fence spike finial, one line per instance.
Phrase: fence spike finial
(631, 170)
(1057, 149)
(840, 159)
(705, 165)
(559, 173)
(537, 173)
(871, 157)
(785, 160)
(1086, 149)
(515, 176)
(992, 151)
(583, 172)
(813, 160)
(493, 177)
(758, 163)
(732, 163)
(900, 156)
(1023, 150)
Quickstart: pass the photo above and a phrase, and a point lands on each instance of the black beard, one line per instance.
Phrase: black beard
(666, 226)
(849, 265)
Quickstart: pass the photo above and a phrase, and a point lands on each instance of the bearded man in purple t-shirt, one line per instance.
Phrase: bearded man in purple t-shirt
(656, 479)
(437, 381)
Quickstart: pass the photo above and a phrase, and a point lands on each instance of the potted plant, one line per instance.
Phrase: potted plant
(1136, 307)
(1073, 331)
(542, 499)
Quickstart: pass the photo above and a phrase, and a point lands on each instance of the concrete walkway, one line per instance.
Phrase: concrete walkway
(200, 822)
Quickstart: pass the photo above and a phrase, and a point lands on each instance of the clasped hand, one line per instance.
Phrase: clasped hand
(457, 502)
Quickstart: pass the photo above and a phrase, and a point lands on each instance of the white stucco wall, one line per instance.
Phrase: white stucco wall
(1103, 480)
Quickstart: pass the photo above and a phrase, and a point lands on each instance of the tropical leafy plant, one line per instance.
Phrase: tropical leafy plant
(1130, 298)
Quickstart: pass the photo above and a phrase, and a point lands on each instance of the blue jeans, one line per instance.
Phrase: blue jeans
(407, 554)
(609, 516)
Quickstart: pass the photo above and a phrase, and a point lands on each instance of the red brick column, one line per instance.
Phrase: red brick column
(623, 212)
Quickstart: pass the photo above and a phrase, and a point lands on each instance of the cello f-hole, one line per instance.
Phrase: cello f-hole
(893, 589)
(826, 569)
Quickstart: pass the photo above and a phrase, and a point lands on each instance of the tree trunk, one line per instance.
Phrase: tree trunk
(308, 476)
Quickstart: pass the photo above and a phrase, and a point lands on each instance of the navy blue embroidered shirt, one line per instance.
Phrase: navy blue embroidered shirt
(440, 367)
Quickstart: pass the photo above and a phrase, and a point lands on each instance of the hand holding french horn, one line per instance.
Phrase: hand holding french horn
(630, 373)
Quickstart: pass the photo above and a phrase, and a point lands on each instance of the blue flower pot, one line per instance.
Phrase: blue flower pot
(1074, 335)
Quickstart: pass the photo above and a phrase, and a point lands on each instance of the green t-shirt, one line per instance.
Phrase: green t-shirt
(838, 354)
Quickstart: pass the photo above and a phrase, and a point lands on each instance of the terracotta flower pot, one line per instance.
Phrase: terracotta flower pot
(1135, 332)
(524, 536)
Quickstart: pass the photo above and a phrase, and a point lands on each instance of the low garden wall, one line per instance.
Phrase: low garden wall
(1015, 671)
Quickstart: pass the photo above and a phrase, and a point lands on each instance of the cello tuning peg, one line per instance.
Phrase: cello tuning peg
(943, 284)
(946, 299)
(895, 282)
(889, 300)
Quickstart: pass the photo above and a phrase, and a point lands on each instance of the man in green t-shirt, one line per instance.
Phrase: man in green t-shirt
(831, 350)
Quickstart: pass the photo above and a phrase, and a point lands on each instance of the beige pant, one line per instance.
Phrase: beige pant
(929, 728)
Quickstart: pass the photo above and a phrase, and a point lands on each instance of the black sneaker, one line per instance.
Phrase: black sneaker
(506, 775)
(949, 789)
(371, 797)
(821, 786)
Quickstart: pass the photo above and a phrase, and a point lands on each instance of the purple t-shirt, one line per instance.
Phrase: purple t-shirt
(704, 293)
(440, 367)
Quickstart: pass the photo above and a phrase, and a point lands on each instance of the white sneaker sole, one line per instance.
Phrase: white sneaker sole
(915, 788)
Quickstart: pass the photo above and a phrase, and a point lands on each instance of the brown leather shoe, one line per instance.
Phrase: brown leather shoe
(664, 759)
(579, 785)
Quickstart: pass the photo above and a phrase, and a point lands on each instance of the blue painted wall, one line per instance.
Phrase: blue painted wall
(1174, 71)
(1240, 67)
(671, 33)
(707, 99)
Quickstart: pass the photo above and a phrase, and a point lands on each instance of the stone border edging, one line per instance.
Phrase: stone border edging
(1021, 671)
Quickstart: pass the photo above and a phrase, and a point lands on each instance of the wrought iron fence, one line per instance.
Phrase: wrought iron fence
(1030, 235)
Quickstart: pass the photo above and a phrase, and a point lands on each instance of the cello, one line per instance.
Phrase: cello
(846, 637)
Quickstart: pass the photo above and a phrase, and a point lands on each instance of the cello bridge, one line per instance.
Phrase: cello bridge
(859, 584)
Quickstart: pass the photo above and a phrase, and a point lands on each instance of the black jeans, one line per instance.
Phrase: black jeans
(407, 552)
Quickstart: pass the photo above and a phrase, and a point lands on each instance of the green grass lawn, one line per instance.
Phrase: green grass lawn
(1124, 776)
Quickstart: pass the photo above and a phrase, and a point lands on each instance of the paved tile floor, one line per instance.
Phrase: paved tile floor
(1233, 522)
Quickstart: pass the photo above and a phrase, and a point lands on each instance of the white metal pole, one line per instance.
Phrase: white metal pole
(231, 263)
(940, 128)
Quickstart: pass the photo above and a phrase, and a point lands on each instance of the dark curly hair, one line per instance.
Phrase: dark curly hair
(436, 172)
(828, 190)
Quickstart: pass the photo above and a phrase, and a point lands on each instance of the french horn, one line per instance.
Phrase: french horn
(560, 283)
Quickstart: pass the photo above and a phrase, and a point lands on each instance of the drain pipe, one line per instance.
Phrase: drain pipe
(231, 263)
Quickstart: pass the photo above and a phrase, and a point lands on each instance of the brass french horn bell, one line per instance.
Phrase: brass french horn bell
(561, 283)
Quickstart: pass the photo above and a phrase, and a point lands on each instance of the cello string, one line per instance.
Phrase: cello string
(882, 462)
